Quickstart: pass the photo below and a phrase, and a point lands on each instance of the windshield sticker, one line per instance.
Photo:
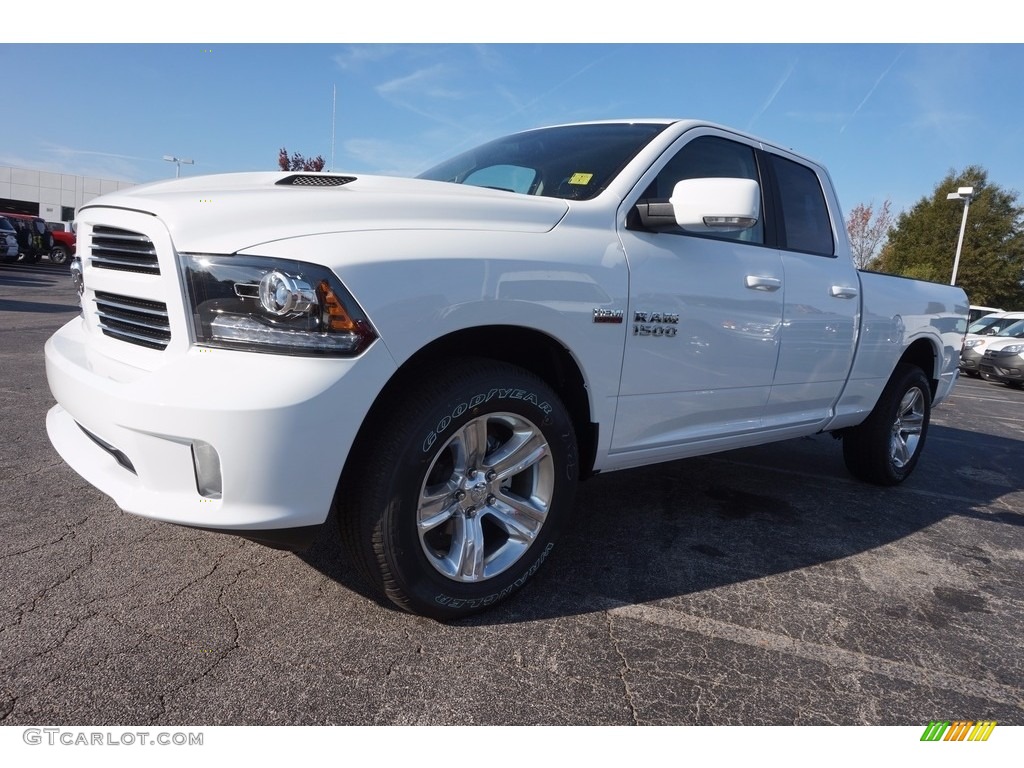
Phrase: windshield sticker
(581, 178)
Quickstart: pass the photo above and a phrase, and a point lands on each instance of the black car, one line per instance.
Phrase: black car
(34, 239)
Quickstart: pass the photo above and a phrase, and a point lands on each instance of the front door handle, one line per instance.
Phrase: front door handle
(759, 283)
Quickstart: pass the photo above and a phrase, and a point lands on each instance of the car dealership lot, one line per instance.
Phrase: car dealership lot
(762, 586)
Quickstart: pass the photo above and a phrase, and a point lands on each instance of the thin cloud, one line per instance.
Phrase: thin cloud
(771, 99)
(423, 86)
(356, 56)
(521, 107)
(422, 82)
(558, 86)
(63, 151)
(489, 59)
(874, 87)
(384, 158)
(59, 158)
(115, 169)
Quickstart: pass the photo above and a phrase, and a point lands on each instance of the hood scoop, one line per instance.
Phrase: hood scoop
(314, 180)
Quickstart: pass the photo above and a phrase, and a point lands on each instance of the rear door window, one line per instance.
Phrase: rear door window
(805, 223)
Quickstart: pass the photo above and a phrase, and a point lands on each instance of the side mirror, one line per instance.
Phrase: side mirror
(716, 205)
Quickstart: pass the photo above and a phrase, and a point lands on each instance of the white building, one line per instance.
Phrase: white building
(53, 196)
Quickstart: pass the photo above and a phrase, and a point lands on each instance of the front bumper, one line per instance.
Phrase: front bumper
(282, 428)
(1005, 368)
(969, 360)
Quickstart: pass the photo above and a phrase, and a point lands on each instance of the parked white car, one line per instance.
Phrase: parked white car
(442, 358)
(978, 312)
(1003, 359)
(980, 334)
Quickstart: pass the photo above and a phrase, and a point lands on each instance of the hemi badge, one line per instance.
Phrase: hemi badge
(608, 315)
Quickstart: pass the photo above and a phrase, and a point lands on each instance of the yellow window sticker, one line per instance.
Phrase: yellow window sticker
(581, 178)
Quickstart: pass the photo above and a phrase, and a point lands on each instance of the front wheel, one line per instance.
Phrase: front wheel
(460, 492)
(59, 255)
(884, 449)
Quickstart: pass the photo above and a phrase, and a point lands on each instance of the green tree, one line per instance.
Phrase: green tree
(922, 244)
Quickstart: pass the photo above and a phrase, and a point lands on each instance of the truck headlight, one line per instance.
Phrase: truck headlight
(272, 305)
(1014, 349)
(972, 343)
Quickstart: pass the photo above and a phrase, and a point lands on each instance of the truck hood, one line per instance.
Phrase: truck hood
(997, 343)
(231, 212)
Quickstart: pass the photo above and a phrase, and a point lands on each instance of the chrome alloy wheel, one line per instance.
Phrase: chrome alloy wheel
(906, 430)
(485, 497)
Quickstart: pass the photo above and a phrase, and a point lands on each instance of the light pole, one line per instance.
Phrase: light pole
(178, 162)
(965, 194)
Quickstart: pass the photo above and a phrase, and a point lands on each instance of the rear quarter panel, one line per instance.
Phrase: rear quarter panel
(896, 313)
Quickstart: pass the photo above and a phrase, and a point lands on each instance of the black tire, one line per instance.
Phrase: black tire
(885, 449)
(59, 255)
(481, 458)
(1014, 384)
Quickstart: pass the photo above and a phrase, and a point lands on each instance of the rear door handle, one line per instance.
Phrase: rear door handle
(843, 292)
(759, 283)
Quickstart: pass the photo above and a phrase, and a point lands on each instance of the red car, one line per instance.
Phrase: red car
(64, 241)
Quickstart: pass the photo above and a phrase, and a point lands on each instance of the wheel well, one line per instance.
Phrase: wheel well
(922, 354)
(535, 351)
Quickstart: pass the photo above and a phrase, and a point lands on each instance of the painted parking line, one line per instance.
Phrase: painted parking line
(985, 399)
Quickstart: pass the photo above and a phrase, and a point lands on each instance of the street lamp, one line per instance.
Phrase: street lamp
(178, 162)
(965, 194)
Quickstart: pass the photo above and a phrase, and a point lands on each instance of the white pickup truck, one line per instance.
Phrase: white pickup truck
(440, 359)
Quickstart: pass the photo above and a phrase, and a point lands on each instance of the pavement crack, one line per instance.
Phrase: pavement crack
(624, 669)
(68, 533)
(29, 606)
(234, 644)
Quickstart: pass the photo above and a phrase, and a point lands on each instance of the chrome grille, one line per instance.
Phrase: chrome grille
(119, 249)
(137, 321)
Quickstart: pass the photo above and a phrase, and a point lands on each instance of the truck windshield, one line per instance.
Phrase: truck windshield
(572, 162)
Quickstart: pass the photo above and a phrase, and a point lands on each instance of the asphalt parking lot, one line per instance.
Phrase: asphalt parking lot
(762, 586)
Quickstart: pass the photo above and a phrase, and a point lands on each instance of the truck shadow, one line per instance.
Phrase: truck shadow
(30, 276)
(682, 527)
(13, 305)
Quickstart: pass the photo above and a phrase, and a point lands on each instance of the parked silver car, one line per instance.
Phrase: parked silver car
(8, 240)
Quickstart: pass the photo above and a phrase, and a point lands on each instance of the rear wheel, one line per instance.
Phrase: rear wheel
(885, 449)
(59, 254)
(458, 496)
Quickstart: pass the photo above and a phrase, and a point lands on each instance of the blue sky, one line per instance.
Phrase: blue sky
(888, 120)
